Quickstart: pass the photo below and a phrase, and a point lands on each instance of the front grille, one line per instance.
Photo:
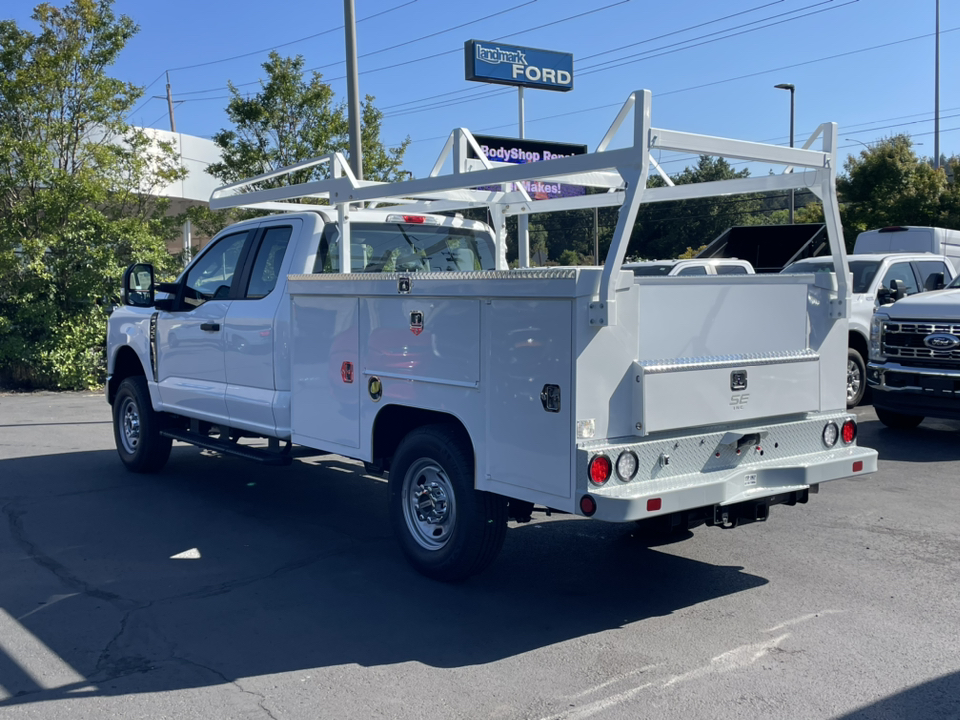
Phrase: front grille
(904, 340)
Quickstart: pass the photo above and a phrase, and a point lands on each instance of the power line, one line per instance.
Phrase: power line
(291, 42)
(502, 92)
(620, 63)
(648, 54)
(721, 82)
(436, 55)
(433, 34)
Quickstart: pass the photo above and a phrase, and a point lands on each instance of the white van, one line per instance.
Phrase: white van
(905, 238)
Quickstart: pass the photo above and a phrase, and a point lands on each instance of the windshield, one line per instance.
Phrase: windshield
(395, 247)
(955, 283)
(652, 269)
(863, 270)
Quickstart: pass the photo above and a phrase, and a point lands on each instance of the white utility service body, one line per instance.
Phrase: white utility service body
(582, 389)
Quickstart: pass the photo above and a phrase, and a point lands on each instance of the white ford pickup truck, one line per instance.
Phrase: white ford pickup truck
(380, 328)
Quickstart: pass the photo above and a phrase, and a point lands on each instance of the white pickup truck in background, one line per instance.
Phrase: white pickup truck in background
(878, 279)
(694, 266)
(396, 335)
(914, 369)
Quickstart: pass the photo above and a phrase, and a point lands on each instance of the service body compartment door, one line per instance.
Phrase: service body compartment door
(432, 340)
(527, 346)
(325, 407)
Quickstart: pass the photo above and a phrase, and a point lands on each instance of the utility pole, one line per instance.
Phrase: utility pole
(936, 96)
(353, 93)
(173, 123)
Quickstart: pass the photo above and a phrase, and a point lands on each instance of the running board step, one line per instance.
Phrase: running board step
(266, 457)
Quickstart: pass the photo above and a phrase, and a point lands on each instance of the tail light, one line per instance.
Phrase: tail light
(849, 431)
(599, 469)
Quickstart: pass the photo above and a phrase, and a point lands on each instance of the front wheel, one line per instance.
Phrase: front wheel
(136, 428)
(856, 378)
(447, 529)
(898, 421)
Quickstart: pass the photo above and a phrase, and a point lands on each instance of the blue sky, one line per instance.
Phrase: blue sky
(711, 65)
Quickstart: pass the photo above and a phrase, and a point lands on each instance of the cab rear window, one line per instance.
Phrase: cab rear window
(393, 247)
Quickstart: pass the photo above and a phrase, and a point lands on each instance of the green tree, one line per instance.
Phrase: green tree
(75, 192)
(666, 230)
(888, 184)
(293, 119)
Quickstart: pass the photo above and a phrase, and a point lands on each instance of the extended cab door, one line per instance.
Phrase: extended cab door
(190, 340)
(250, 330)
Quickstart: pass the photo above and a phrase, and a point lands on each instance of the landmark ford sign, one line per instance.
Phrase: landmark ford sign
(511, 65)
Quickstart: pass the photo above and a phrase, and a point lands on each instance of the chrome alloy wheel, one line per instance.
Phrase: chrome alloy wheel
(429, 505)
(854, 380)
(129, 425)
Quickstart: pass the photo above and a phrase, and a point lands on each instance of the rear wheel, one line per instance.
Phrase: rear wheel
(856, 378)
(447, 529)
(136, 428)
(898, 421)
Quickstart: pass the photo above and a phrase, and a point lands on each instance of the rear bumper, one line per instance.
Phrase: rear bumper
(927, 392)
(773, 485)
(779, 464)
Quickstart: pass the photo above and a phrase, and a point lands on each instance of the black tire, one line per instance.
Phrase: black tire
(447, 529)
(856, 378)
(136, 428)
(898, 421)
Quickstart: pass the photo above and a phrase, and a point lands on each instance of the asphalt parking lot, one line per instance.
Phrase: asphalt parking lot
(222, 589)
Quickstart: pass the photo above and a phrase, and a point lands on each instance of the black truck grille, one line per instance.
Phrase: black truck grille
(905, 340)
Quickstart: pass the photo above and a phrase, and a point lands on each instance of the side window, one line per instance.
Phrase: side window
(731, 270)
(328, 254)
(211, 276)
(933, 273)
(904, 273)
(266, 268)
(693, 270)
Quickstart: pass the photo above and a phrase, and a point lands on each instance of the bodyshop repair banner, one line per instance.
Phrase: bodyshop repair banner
(513, 65)
(515, 150)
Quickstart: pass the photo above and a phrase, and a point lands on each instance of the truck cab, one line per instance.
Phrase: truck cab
(878, 279)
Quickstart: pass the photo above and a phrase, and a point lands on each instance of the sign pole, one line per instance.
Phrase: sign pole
(523, 226)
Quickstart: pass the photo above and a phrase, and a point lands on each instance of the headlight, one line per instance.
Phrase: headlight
(876, 338)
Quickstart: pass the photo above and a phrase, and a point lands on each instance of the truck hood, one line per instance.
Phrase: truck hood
(936, 305)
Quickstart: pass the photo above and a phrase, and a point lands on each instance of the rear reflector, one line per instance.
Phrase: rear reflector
(654, 504)
(858, 466)
(588, 506)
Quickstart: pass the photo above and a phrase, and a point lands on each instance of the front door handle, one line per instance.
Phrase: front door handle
(210, 327)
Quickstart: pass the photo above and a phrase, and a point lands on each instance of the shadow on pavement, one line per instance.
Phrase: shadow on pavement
(297, 569)
(938, 698)
(933, 441)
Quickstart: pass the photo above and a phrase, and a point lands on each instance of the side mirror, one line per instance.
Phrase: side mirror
(897, 290)
(138, 285)
(937, 281)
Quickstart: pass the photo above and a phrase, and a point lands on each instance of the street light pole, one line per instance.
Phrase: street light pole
(353, 91)
(791, 88)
